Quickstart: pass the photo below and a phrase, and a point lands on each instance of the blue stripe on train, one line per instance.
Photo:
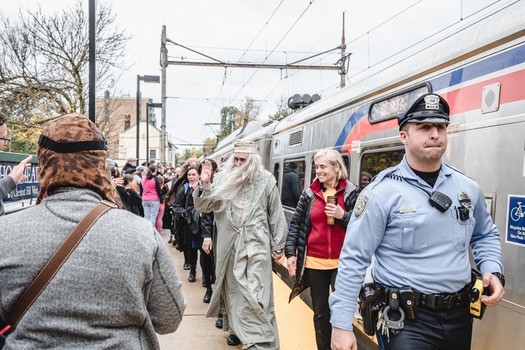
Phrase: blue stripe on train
(486, 66)
(489, 65)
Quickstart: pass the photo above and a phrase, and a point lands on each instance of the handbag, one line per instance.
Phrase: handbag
(50, 269)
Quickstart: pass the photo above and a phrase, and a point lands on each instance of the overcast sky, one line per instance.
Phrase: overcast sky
(256, 31)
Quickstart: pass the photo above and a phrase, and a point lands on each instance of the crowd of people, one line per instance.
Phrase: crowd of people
(410, 222)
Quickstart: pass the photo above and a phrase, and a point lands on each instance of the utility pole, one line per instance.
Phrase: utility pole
(163, 65)
(343, 71)
(92, 61)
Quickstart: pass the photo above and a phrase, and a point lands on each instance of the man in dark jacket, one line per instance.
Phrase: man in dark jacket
(291, 185)
(130, 166)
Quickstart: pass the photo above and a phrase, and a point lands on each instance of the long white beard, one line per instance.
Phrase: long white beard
(233, 179)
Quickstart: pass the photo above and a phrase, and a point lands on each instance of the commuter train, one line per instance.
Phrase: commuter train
(480, 70)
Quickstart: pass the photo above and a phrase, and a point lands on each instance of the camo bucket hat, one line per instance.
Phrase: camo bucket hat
(72, 153)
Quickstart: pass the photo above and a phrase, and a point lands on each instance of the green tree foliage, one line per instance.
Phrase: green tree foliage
(249, 111)
(44, 65)
(192, 153)
(233, 118)
(209, 145)
(228, 116)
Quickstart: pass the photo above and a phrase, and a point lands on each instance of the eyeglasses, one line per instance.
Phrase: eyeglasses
(5, 139)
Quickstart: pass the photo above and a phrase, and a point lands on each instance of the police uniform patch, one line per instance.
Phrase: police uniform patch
(360, 205)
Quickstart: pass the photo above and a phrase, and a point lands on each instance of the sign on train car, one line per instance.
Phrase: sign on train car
(25, 193)
(515, 229)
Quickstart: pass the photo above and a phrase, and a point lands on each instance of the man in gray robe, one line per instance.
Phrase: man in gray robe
(251, 229)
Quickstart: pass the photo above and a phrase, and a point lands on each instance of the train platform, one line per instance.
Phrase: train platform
(196, 331)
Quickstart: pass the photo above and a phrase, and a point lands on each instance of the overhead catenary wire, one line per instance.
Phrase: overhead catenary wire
(275, 47)
(287, 76)
(225, 76)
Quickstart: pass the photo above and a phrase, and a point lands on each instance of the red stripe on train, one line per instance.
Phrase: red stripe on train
(461, 100)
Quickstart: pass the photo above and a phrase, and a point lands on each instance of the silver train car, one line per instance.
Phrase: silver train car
(479, 69)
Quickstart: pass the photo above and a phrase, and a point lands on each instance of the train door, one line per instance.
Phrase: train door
(292, 184)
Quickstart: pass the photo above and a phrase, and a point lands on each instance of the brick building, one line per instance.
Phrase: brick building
(116, 117)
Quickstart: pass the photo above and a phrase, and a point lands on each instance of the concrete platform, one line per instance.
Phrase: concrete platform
(195, 331)
(294, 320)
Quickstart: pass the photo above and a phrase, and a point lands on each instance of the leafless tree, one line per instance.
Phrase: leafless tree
(248, 111)
(44, 60)
(283, 110)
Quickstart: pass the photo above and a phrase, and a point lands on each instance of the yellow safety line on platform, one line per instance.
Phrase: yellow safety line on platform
(294, 320)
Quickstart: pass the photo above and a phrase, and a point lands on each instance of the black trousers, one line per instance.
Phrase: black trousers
(320, 283)
(208, 268)
(433, 330)
(192, 256)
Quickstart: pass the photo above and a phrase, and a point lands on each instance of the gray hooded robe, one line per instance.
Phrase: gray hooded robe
(248, 231)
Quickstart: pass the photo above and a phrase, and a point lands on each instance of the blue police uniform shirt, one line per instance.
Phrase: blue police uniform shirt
(414, 244)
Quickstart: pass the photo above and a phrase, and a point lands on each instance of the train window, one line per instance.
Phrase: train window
(293, 182)
(374, 162)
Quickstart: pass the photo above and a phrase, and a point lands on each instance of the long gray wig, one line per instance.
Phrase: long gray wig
(233, 178)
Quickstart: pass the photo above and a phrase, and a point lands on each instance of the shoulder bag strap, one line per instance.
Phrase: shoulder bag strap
(56, 261)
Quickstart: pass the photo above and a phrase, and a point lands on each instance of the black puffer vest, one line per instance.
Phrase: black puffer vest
(300, 228)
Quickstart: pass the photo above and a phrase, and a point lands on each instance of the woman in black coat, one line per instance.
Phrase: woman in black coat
(316, 237)
(186, 220)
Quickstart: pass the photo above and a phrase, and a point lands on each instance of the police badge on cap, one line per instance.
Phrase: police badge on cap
(429, 108)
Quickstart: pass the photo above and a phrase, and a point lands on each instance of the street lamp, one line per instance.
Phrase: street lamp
(148, 106)
(146, 79)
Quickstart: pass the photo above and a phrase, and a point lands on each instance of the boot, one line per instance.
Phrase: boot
(233, 340)
(219, 322)
(193, 273)
(207, 296)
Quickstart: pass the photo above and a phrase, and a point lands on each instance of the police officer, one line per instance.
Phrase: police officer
(418, 219)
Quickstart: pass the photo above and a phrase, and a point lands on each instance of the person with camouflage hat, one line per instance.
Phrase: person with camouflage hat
(117, 288)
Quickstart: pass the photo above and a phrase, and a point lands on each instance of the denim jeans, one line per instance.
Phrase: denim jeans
(151, 209)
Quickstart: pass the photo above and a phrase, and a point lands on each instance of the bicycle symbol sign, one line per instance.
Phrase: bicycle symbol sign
(517, 213)
(515, 220)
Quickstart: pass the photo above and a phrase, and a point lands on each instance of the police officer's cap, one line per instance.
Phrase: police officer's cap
(429, 108)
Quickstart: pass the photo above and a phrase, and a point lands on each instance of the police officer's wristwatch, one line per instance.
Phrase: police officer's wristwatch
(500, 276)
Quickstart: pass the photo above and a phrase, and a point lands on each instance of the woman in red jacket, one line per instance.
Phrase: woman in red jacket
(316, 236)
